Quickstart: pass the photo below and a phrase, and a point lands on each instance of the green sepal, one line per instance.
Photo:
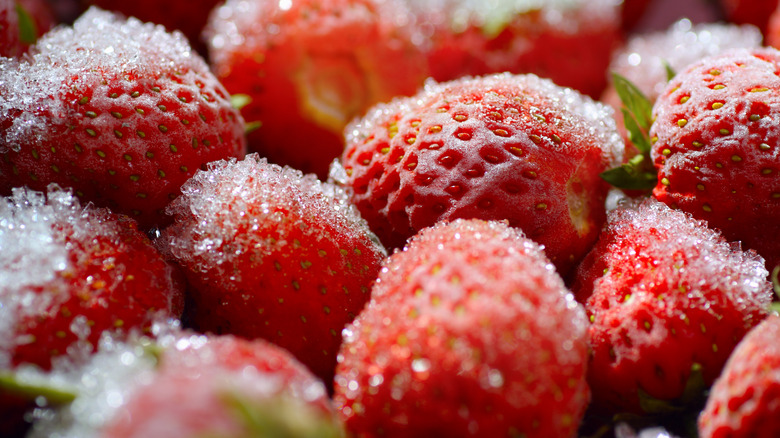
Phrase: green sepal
(250, 127)
(634, 175)
(638, 105)
(28, 30)
(670, 73)
(239, 100)
(54, 395)
(635, 133)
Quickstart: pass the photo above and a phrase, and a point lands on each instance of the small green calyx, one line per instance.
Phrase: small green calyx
(638, 173)
(11, 383)
(28, 30)
(693, 394)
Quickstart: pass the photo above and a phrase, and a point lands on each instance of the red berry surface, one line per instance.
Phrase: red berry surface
(68, 273)
(744, 399)
(122, 112)
(566, 41)
(309, 67)
(499, 147)
(664, 293)
(470, 332)
(755, 12)
(716, 146)
(274, 254)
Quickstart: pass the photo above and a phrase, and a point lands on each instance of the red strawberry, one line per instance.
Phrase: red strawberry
(664, 294)
(470, 332)
(646, 59)
(755, 12)
(309, 67)
(187, 16)
(226, 387)
(744, 399)
(497, 147)
(274, 254)
(569, 42)
(120, 111)
(10, 45)
(716, 146)
(631, 12)
(70, 273)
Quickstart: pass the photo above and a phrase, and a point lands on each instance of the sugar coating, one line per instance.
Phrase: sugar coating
(592, 120)
(664, 237)
(98, 41)
(567, 16)
(33, 252)
(644, 58)
(219, 208)
(471, 308)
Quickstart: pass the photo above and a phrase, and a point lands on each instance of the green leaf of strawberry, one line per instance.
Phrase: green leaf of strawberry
(10, 382)
(28, 30)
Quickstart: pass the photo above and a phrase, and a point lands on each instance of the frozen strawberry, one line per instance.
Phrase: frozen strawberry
(744, 399)
(274, 254)
(631, 12)
(187, 16)
(569, 42)
(187, 385)
(308, 67)
(68, 273)
(648, 60)
(668, 299)
(499, 147)
(10, 44)
(470, 332)
(715, 144)
(122, 112)
(755, 12)
(226, 387)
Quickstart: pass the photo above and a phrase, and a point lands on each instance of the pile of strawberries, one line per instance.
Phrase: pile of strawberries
(389, 218)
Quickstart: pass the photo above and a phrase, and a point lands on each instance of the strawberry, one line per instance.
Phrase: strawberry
(120, 111)
(648, 60)
(567, 41)
(227, 387)
(274, 254)
(631, 13)
(755, 12)
(183, 385)
(499, 147)
(744, 399)
(69, 273)
(309, 66)
(9, 29)
(469, 332)
(187, 16)
(716, 146)
(665, 295)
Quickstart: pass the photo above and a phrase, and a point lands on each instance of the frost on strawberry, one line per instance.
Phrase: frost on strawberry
(275, 254)
(469, 332)
(567, 41)
(744, 399)
(666, 296)
(68, 273)
(184, 385)
(309, 67)
(716, 146)
(499, 147)
(123, 112)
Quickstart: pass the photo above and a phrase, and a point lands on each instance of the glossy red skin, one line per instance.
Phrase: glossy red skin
(450, 300)
(461, 155)
(9, 29)
(755, 12)
(350, 47)
(645, 333)
(727, 178)
(115, 280)
(744, 399)
(104, 164)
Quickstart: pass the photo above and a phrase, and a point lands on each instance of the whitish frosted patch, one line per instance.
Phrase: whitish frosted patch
(32, 89)
(645, 57)
(696, 257)
(219, 208)
(568, 16)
